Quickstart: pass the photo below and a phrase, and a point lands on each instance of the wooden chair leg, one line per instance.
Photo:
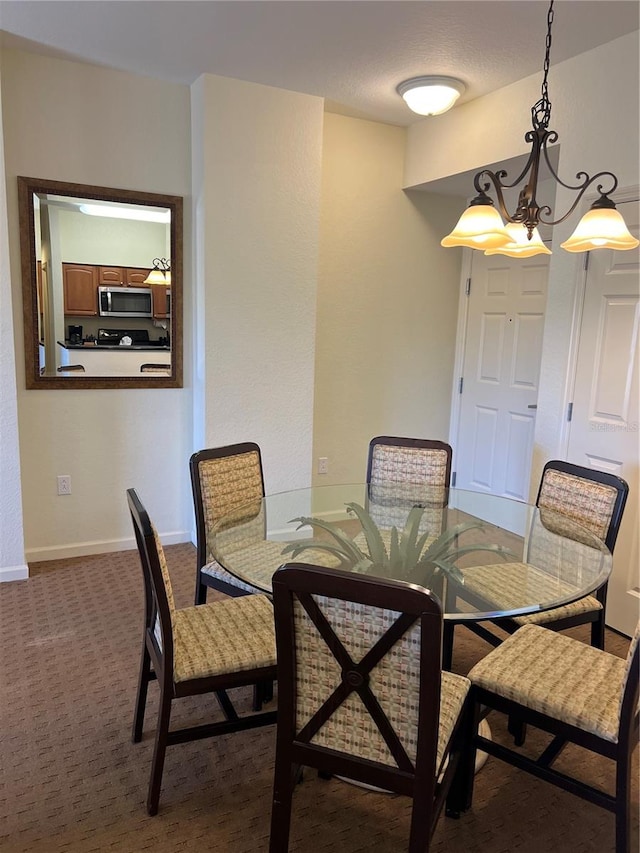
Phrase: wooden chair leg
(262, 693)
(623, 799)
(285, 776)
(258, 696)
(517, 729)
(159, 751)
(141, 698)
(421, 816)
(447, 646)
(461, 792)
(597, 632)
(201, 590)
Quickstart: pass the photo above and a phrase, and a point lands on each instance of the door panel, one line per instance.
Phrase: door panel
(604, 429)
(501, 374)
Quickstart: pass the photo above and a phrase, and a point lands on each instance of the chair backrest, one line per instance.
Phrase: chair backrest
(402, 472)
(630, 691)
(224, 479)
(158, 593)
(149, 367)
(71, 368)
(359, 667)
(409, 460)
(593, 499)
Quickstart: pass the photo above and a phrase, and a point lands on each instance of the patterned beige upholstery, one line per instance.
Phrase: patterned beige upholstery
(213, 639)
(403, 476)
(589, 503)
(555, 543)
(395, 464)
(228, 483)
(232, 483)
(565, 500)
(510, 586)
(560, 677)
(228, 636)
(394, 682)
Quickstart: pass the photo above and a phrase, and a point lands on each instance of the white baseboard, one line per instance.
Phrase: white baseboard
(14, 573)
(87, 549)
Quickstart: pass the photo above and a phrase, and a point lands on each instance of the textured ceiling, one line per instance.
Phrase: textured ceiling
(351, 53)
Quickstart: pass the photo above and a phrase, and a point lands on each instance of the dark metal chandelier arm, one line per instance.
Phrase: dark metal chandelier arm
(601, 202)
(482, 188)
(161, 264)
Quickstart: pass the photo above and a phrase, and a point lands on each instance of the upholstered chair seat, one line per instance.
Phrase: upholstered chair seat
(579, 694)
(209, 648)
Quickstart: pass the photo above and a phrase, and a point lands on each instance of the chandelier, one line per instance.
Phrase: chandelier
(161, 272)
(481, 226)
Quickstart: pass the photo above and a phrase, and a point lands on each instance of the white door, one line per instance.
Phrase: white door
(501, 368)
(604, 427)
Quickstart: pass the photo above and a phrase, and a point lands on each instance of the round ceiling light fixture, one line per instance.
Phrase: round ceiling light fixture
(430, 95)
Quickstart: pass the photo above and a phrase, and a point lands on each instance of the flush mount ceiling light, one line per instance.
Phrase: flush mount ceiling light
(481, 226)
(152, 214)
(429, 95)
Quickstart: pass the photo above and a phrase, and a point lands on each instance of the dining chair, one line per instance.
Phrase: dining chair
(150, 367)
(209, 648)
(595, 501)
(573, 691)
(402, 472)
(70, 368)
(224, 479)
(361, 694)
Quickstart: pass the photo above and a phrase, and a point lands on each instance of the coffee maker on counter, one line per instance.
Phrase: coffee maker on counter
(75, 334)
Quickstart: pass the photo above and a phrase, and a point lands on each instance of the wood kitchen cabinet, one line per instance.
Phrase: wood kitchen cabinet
(135, 276)
(80, 282)
(111, 275)
(123, 276)
(161, 296)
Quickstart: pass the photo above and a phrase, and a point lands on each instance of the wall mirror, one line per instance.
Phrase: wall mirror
(102, 286)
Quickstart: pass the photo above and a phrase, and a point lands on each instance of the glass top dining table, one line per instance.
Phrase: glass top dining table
(484, 556)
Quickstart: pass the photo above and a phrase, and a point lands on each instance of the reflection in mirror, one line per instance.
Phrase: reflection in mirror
(102, 286)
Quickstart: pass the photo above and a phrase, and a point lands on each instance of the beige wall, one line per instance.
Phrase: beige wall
(72, 122)
(387, 300)
(256, 191)
(12, 560)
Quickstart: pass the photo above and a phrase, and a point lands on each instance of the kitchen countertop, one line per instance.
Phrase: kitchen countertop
(118, 347)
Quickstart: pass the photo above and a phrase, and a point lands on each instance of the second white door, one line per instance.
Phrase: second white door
(501, 369)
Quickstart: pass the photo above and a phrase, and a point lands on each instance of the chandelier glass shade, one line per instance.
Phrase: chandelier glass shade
(479, 227)
(602, 227)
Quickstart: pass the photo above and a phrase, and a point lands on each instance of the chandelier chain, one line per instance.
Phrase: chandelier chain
(541, 111)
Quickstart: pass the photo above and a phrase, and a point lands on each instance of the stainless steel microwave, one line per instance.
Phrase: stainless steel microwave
(125, 302)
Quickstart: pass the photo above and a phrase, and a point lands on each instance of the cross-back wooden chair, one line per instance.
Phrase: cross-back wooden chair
(224, 479)
(361, 693)
(210, 648)
(595, 501)
(575, 692)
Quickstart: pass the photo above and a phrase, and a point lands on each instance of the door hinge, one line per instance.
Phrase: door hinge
(460, 384)
(468, 287)
(453, 479)
(569, 411)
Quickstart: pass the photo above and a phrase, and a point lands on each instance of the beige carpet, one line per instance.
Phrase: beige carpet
(71, 780)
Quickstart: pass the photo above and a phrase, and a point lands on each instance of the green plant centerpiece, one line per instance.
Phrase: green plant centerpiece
(410, 556)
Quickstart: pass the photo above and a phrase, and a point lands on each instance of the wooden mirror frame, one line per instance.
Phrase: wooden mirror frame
(27, 188)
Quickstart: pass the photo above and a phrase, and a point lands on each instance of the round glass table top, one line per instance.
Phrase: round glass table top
(484, 556)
